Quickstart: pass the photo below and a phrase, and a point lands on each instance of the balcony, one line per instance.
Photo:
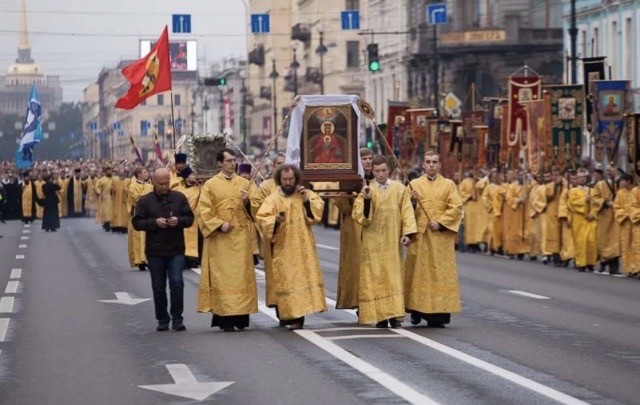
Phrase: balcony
(301, 32)
(265, 92)
(256, 56)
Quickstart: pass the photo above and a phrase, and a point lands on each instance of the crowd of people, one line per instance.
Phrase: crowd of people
(396, 252)
(590, 219)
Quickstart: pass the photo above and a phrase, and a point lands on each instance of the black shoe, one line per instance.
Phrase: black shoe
(590, 268)
(382, 324)
(521, 256)
(256, 261)
(162, 327)
(228, 329)
(582, 269)
(533, 258)
(435, 325)
(178, 326)
(415, 318)
(142, 267)
(395, 324)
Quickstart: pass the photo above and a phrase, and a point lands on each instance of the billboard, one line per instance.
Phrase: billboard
(184, 54)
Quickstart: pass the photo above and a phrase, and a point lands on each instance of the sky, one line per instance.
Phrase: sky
(75, 39)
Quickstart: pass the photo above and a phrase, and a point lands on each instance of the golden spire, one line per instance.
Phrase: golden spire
(24, 32)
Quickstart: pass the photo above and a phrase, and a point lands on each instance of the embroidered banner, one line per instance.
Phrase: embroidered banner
(521, 89)
(395, 122)
(593, 69)
(482, 136)
(494, 124)
(538, 142)
(632, 126)
(610, 104)
(566, 123)
(470, 142)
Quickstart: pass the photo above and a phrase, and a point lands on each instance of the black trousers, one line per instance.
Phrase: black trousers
(238, 321)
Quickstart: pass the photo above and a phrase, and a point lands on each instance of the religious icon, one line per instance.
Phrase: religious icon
(421, 120)
(327, 147)
(566, 108)
(525, 94)
(611, 105)
(326, 138)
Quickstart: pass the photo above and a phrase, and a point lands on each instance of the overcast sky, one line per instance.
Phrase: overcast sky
(75, 39)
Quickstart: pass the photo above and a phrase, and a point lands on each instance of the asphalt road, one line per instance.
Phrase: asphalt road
(527, 334)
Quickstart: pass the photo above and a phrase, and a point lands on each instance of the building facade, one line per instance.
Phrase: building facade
(483, 42)
(607, 28)
(306, 52)
(15, 86)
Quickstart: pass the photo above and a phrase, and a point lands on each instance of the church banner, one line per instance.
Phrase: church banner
(395, 120)
(609, 105)
(593, 69)
(538, 139)
(494, 135)
(521, 89)
(482, 136)
(632, 127)
(470, 142)
(566, 123)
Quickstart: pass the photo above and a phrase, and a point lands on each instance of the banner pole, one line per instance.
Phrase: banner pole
(173, 123)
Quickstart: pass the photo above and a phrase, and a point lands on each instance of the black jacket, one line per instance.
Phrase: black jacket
(163, 241)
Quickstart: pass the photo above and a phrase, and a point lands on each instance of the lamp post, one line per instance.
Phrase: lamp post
(243, 114)
(294, 66)
(321, 50)
(205, 108)
(274, 76)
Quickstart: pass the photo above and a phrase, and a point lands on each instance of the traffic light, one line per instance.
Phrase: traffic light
(374, 62)
(368, 137)
(215, 81)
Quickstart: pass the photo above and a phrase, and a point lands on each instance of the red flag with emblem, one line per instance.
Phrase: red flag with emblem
(149, 75)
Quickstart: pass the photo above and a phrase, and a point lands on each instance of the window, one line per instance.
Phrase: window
(176, 99)
(352, 5)
(160, 99)
(596, 42)
(353, 54)
(628, 58)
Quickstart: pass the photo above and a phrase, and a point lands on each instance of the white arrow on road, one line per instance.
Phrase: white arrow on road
(185, 384)
(125, 298)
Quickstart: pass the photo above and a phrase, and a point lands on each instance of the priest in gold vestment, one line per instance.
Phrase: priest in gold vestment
(384, 211)
(432, 291)
(228, 281)
(607, 229)
(104, 191)
(29, 196)
(286, 218)
(91, 200)
(627, 214)
(475, 216)
(351, 242)
(550, 227)
(583, 223)
(516, 241)
(139, 187)
(74, 189)
(192, 237)
(567, 251)
(120, 214)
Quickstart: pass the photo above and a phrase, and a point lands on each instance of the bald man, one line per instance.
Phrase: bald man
(164, 214)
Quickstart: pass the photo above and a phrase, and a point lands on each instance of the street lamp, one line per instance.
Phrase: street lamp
(205, 108)
(273, 76)
(294, 66)
(321, 50)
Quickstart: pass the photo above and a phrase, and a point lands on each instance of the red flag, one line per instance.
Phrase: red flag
(158, 150)
(149, 75)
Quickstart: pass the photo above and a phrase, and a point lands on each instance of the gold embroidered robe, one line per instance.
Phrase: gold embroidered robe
(296, 281)
(191, 233)
(431, 273)
(567, 250)
(607, 229)
(228, 280)
(475, 217)
(381, 279)
(104, 191)
(582, 229)
(350, 252)
(627, 215)
(516, 239)
(136, 239)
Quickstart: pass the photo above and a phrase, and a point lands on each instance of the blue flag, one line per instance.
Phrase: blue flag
(31, 131)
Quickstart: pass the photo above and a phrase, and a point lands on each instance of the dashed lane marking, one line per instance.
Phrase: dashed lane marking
(25, 238)
(16, 273)
(12, 287)
(528, 295)
(23, 246)
(4, 327)
(26, 231)
(19, 257)
(6, 304)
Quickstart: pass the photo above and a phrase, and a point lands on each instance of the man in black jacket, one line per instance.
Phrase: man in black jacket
(163, 214)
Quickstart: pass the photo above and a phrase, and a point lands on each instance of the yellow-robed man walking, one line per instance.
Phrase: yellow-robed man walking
(583, 223)
(228, 281)
(432, 290)
(139, 187)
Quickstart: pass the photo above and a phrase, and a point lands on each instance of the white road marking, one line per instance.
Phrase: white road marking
(347, 337)
(19, 256)
(12, 287)
(27, 225)
(26, 231)
(4, 327)
(25, 238)
(392, 384)
(6, 304)
(528, 294)
(185, 384)
(327, 247)
(125, 298)
(23, 246)
(495, 370)
(16, 273)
